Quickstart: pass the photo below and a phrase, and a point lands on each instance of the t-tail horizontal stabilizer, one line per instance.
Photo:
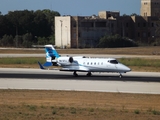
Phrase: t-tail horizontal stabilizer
(47, 64)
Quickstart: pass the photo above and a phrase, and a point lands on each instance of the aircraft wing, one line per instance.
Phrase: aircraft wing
(67, 68)
(75, 68)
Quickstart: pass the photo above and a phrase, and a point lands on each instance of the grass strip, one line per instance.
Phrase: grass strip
(127, 61)
(22, 60)
(136, 64)
(71, 105)
(140, 62)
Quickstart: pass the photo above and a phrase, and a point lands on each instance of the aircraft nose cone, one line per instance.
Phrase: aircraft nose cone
(128, 69)
(125, 68)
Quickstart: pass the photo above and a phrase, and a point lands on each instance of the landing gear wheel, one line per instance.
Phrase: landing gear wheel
(75, 74)
(89, 74)
(120, 76)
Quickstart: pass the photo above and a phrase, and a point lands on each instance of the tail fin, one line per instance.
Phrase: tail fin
(51, 53)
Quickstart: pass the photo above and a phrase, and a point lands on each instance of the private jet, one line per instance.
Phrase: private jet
(82, 63)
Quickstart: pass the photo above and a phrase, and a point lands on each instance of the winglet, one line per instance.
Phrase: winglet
(40, 65)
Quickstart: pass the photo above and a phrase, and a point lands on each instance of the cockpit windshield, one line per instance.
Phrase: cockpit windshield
(113, 61)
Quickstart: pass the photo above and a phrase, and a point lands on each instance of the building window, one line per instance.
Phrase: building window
(144, 34)
(126, 24)
(100, 24)
(145, 14)
(138, 34)
(152, 24)
(74, 24)
(149, 34)
(74, 35)
(138, 24)
(112, 25)
(126, 34)
(145, 3)
(144, 24)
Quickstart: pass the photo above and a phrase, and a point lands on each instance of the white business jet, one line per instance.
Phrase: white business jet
(82, 63)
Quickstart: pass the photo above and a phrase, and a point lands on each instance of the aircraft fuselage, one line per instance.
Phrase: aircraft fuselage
(94, 65)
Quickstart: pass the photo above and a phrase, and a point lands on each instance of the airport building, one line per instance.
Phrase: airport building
(86, 31)
(150, 8)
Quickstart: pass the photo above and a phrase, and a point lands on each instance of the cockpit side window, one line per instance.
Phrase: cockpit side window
(114, 61)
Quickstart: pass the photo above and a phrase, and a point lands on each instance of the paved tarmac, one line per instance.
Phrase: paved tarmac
(132, 82)
(87, 55)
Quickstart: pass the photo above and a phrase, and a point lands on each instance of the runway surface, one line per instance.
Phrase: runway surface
(88, 55)
(132, 82)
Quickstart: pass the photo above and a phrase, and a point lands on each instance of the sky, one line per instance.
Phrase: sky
(73, 7)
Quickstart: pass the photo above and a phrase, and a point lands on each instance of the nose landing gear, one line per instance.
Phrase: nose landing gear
(120, 75)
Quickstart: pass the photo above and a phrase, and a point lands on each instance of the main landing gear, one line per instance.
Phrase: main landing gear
(89, 74)
(76, 75)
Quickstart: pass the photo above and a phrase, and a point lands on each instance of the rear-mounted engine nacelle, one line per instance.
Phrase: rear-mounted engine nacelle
(65, 60)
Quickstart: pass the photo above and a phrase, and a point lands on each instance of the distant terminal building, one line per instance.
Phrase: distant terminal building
(150, 8)
(86, 31)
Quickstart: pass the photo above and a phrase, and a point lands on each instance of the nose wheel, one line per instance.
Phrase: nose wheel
(120, 75)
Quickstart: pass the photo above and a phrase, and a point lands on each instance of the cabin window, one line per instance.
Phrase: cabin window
(91, 63)
(102, 63)
(95, 63)
(88, 63)
(84, 63)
